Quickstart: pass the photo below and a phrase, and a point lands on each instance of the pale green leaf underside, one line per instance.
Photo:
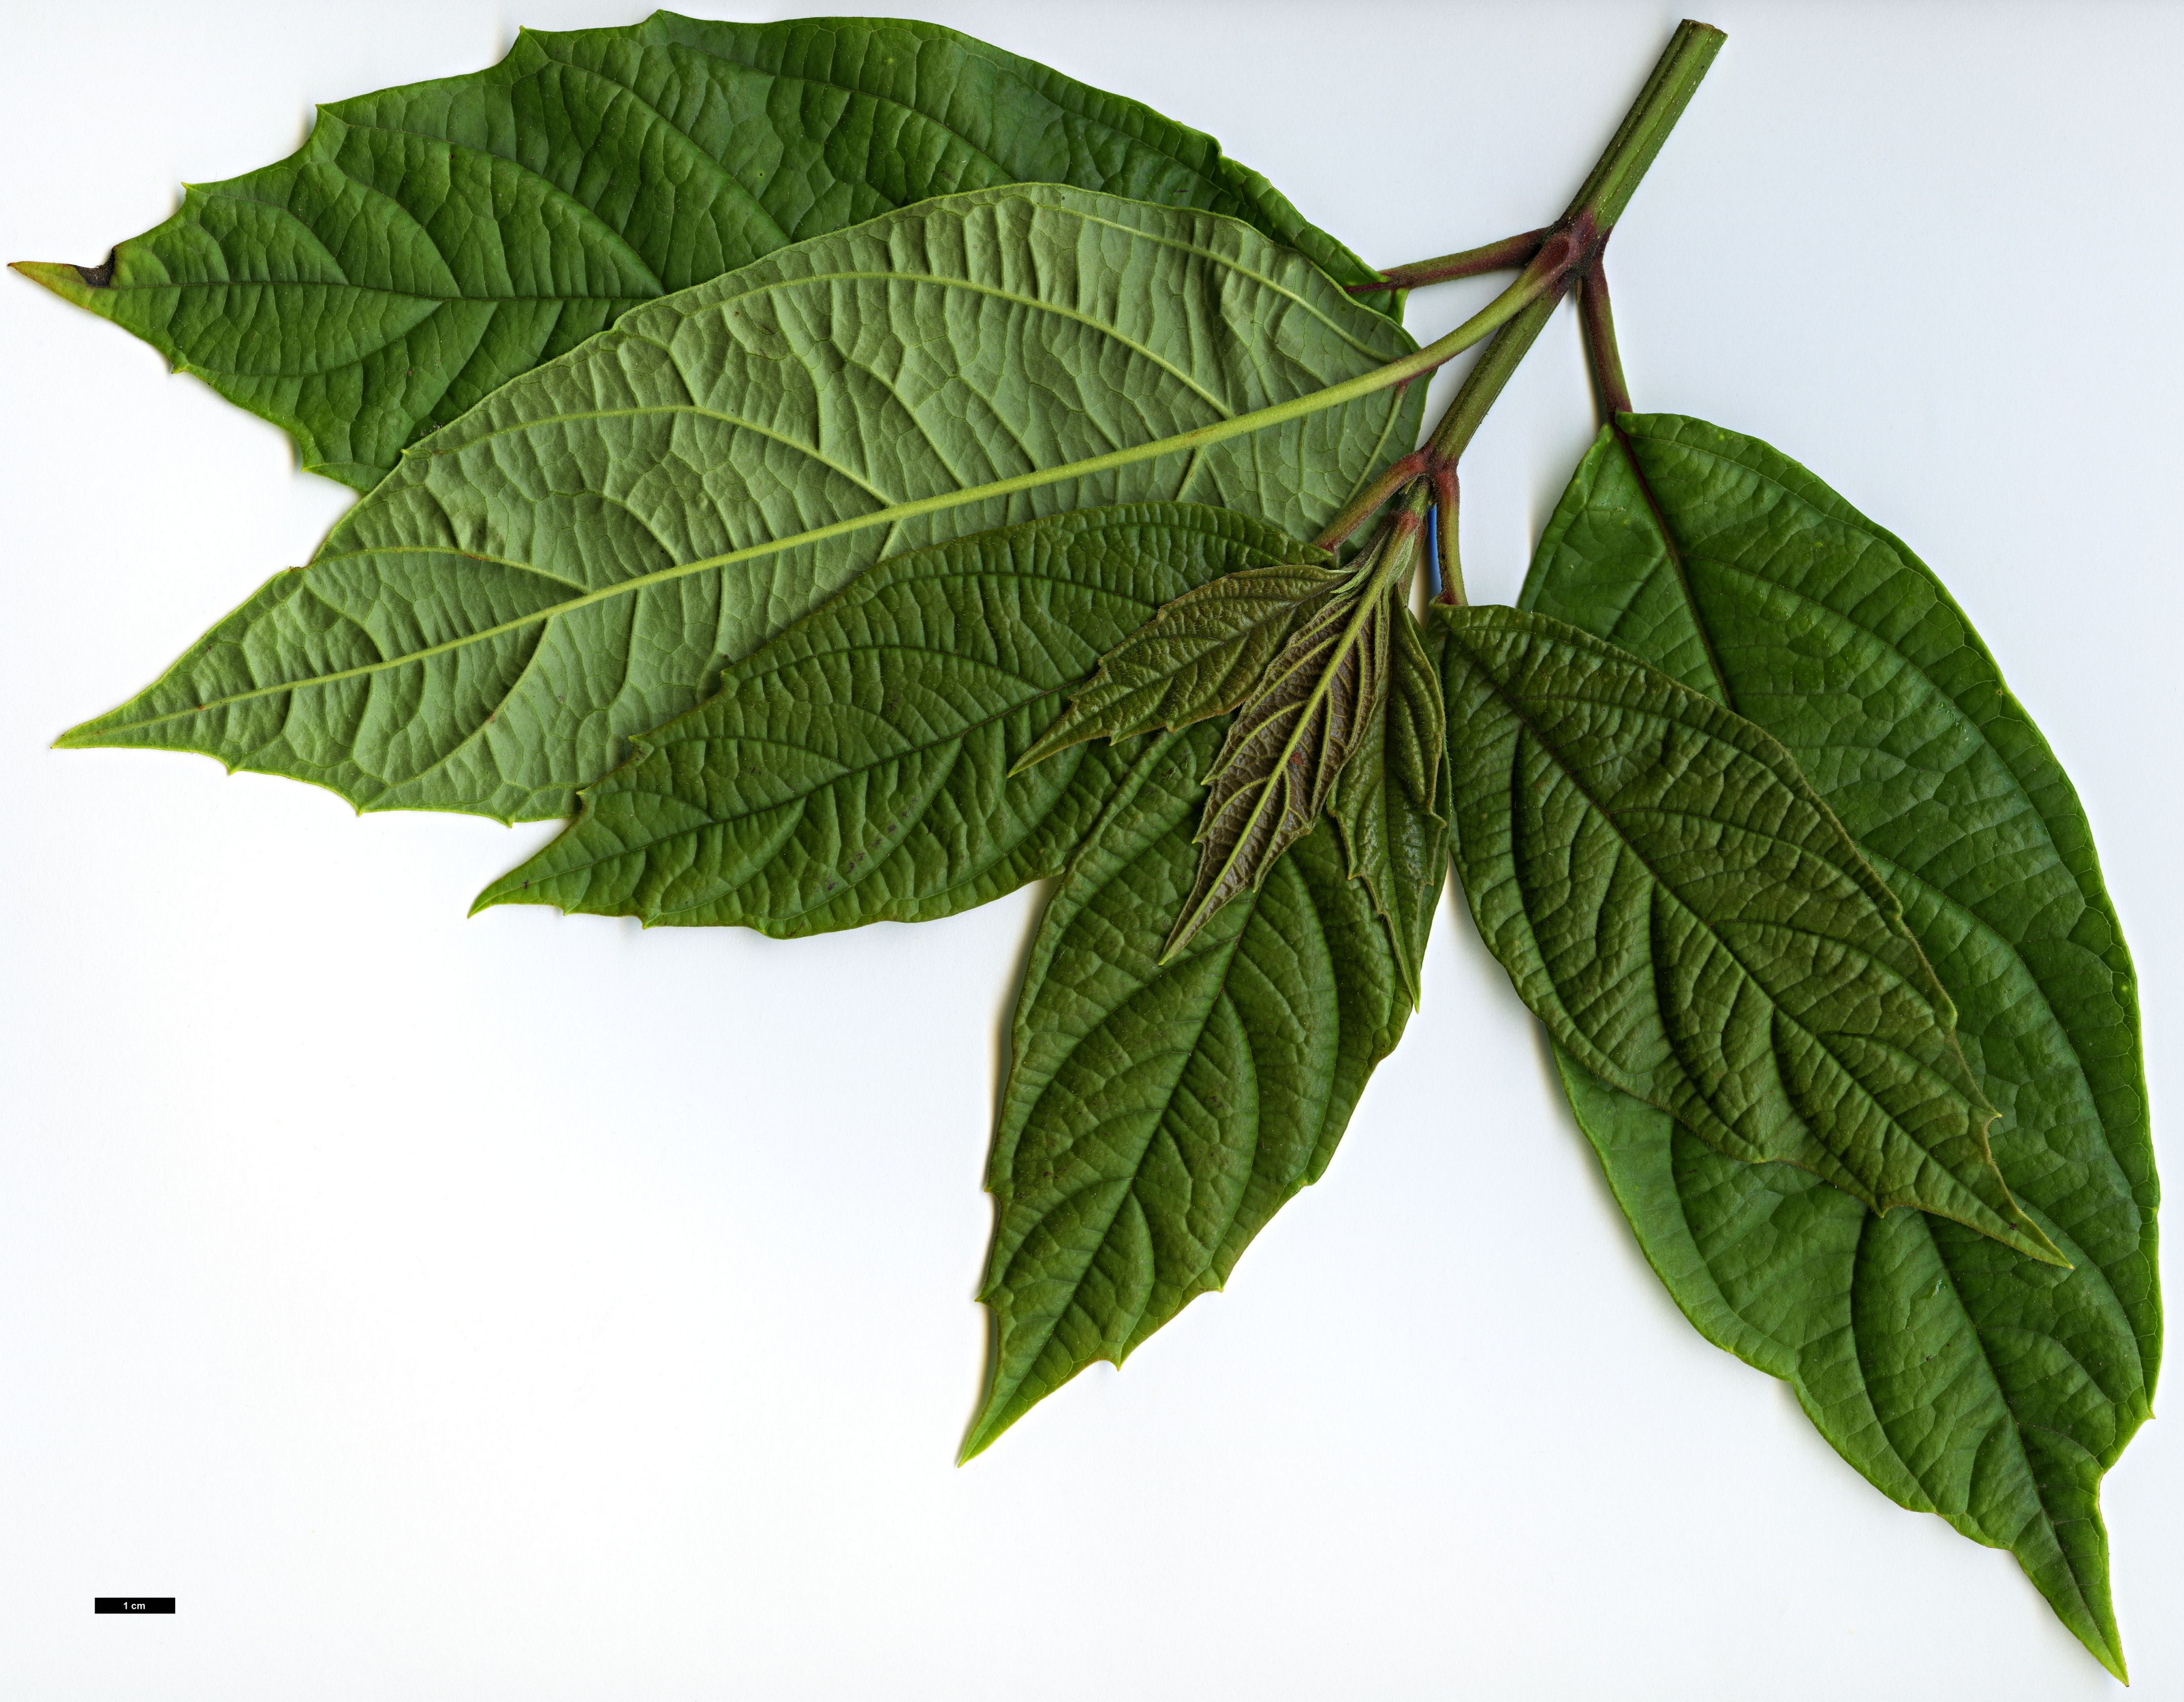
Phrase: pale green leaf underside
(576, 559)
(1955, 1376)
(1156, 1113)
(1675, 904)
(1199, 657)
(428, 243)
(863, 765)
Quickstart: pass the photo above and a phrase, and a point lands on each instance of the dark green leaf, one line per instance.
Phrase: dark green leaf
(857, 767)
(1677, 906)
(427, 244)
(1390, 800)
(1199, 657)
(1160, 1111)
(576, 559)
(1953, 1376)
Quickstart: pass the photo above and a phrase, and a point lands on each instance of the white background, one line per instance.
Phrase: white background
(527, 1308)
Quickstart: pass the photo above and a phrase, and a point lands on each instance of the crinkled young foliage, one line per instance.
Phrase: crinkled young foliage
(1158, 1109)
(1320, 699)
(1674, 901)
(1959, 1377)
(427, 244)
(861, 766)
(576, 559)
(1392, 800)
(865, 764)
(1199, 657)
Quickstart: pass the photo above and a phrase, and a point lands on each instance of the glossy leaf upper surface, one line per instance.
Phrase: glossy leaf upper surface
(428, 243)
(1955, 1376)
(1677, 905)
(1158, 1112)
(576, 559)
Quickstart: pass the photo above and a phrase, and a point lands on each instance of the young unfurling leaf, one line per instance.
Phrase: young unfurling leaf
(1316, 703)
(1390, 800)
(1199, 657)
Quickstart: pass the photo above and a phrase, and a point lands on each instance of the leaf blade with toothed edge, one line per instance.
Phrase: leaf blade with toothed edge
(1672, 898)
(576, 559)
(428, 243)
(2003, 1391)
(858, 767)
(1159, 1110)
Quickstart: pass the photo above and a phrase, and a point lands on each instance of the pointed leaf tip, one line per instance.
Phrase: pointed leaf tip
(1121, 1135)
(280, 684)
(466, 156)
(71, 283)
(2037, 969)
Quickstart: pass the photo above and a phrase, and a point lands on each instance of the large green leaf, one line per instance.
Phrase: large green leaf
(861, 765)
(1677, 906)
(427, 244)
(1955, 1376)
(1158, 1113)
(576, 559)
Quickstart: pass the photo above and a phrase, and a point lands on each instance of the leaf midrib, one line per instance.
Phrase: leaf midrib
(1226, 262)
(1219, 993)
(1333, 396)
(1660, 885)
(655, 743)
(1673, 549)
(2010, 1412)
(840, 770)
(2028, 805)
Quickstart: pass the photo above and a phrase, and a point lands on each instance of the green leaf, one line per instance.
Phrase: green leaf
(1199, 657)
(1956, 1378)
(1679, 907)
(576, 559)
(857, 767)
(427, 244)
(1158, 1110)
(1317, 702)
(1391, 799)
